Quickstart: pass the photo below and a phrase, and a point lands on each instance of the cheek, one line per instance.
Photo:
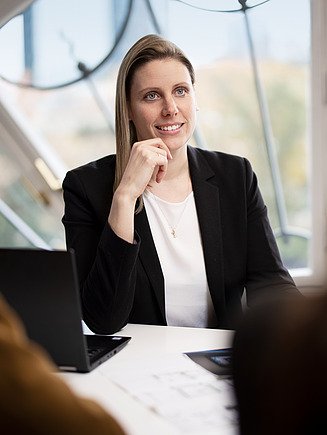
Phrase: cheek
(190, 107)
(142, 125)
(192, 113)
(192, 118)
(145, 119)
(139, 114)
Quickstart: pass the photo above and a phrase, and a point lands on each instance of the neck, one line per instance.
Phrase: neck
(178, 166)
(176, 184)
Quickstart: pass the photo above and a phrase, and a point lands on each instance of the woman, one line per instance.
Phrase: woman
(165, 233)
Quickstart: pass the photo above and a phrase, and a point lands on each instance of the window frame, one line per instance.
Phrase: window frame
(312, 279)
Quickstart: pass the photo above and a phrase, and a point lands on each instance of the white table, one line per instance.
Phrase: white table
(147, 342)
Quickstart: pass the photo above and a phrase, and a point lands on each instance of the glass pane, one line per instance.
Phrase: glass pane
(10, 237)
(48, 43)
(19, 194)
(229, 114)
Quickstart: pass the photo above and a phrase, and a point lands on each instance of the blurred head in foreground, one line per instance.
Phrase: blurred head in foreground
(280, 368)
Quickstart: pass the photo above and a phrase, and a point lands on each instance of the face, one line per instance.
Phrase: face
(162, 102)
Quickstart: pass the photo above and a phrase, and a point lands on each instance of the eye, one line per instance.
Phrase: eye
(151, 96)
(180, 92)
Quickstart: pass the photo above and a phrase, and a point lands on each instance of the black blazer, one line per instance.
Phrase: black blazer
(122, 282)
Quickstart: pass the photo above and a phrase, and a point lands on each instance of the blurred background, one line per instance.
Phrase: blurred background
(256, 63)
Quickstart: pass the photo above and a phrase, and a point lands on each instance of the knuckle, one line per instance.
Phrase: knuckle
(136, 145)
(149, 159)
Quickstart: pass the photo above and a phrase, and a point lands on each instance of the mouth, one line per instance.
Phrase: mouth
(169, 127)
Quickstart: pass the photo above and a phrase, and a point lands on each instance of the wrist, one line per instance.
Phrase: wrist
(121, 216)
(123, 197)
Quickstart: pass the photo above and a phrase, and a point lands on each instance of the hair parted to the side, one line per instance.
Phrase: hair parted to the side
(146, 49)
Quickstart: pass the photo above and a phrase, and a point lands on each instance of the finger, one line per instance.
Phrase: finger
(162, 154)
(154, 176)
(161, 174)
(162, 166)
(163, 147)
(160, 146)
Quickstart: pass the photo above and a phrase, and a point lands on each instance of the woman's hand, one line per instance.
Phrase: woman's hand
(148, 161)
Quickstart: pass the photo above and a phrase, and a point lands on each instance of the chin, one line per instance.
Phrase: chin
(175, 143)
(175, 146)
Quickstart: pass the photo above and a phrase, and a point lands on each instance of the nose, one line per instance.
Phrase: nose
(170, 107)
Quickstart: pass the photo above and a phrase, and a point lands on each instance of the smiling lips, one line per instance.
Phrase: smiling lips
(171, 127)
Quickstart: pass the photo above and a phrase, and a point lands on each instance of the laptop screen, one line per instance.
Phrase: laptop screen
(42, 286)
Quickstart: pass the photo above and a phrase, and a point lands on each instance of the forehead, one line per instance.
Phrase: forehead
(160, 72)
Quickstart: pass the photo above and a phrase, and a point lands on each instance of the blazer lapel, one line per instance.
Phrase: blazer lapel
(206, 196)
(150, 260)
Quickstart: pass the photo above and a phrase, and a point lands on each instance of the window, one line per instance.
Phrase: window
(232, 86)
(283, 140)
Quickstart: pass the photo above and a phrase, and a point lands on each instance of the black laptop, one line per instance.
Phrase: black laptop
(42, 287)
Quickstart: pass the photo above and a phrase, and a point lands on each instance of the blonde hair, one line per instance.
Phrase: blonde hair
(146, 49)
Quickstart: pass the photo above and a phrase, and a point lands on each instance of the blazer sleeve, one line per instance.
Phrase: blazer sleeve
(266, 275)
(33, 399)
(106, 263)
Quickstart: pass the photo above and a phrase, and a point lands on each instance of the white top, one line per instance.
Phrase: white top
(176, 234)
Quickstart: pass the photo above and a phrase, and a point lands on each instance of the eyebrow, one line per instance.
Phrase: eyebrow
(145, 90)
(156, 89)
